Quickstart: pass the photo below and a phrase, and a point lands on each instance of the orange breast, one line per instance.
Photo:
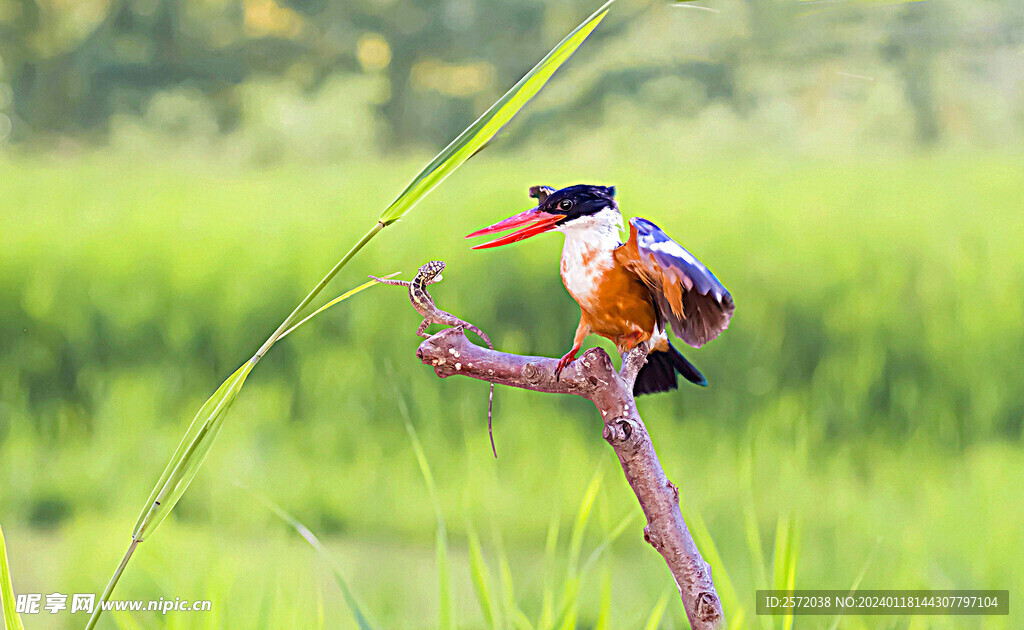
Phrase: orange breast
(620, 307)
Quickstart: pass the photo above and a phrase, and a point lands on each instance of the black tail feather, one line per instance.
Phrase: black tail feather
(659, 373)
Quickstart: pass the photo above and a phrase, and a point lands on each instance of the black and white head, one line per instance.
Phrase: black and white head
(577, 210)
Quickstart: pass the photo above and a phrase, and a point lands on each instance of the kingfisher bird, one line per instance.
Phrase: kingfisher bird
(627, 292)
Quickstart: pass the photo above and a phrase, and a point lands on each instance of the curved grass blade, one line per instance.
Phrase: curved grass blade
(482, 583)
(340, 298)
(787, 551)
(579, 526)
(610, 538)
(739, 620)
(11, 619)
(547, 609)
(190, 454)
(569, 608)
(574, 580)
(183, 465)
(515, 616)
(324, 554)
(753, 536)
(658, 611)
(490, 123)
(858, 579)
(124, 620)
(199, 438)
(792, 555)
(444, 581)
(604, 614)
(706, 544)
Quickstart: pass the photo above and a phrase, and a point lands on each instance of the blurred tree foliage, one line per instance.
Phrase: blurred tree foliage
(68, 68)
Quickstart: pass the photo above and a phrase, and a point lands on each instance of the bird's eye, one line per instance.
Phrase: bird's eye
(565, 204)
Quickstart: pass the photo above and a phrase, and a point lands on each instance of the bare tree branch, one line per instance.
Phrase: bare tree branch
(592, 376)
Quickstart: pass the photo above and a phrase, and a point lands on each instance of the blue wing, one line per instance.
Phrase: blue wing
(688, 295)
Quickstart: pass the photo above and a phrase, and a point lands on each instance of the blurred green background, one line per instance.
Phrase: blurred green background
(176, 174)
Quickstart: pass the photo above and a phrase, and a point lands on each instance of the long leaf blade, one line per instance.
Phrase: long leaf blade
(325, 555)
(610, 538)
(490, 123)
(191, 452)
(605, 609)
(516, 617)
(858, 579)
(787, 551)
(658, 611)
(196, 443)
(547, 610)
(183, 466)
(792, 554)
(444, 582)
(483, 585)
(11, 618)
(569, 609)
(706, 544)
(344, 296)
(582, 517)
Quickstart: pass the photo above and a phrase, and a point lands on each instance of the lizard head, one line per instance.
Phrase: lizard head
(431, 272)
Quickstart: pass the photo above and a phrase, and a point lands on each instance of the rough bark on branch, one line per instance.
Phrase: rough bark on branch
(592, 376)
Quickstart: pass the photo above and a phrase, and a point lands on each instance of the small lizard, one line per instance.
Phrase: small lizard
(430, 273)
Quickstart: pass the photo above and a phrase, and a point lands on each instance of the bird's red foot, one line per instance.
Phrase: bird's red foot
(564, 361)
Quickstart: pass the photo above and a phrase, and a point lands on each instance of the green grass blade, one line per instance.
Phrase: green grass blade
(756, 552)
(482, 583)
(514, 615)
(124, 620)
(753, 536)
(344, 296)
(321, 616)
(445, 617)
(792, 554)
(779, 557)
(11, 619)
(574, 579)
(857, 580)
(572, 613)
(323, 553)
(490, 123)
(787, 545)
(194, 446)
(570, 595)
(196, 443)
(547, 608)
(190, 454)
(658, 611)
(604, 613)
(444, 582)
(610, 538)
(736, 622)
(706, 544)
(579, 526)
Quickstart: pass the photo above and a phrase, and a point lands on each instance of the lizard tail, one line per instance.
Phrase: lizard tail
(490, 428)
(397, 283)
(482, 335)
(490, 398)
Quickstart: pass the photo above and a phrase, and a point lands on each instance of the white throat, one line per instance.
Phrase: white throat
(587, 253)
(600, 231)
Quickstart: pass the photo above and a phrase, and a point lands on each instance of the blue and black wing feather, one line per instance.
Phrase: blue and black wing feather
(688, 295)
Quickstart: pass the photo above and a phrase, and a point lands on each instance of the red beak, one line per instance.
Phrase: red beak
(536, 222)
